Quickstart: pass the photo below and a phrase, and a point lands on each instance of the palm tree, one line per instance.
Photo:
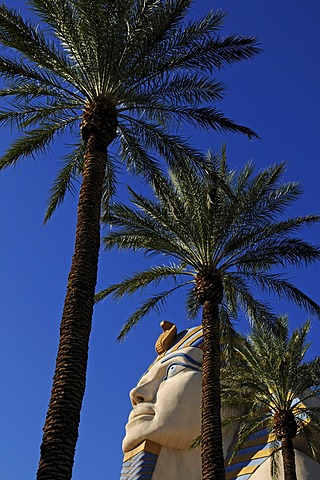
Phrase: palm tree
(127, 71)
(220, 235)
(277, 388)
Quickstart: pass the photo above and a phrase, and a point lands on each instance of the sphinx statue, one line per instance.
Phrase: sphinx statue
(165, 420)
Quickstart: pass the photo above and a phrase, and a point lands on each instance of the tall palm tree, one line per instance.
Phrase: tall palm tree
(127, 71)
(278, 388)
(220, 235)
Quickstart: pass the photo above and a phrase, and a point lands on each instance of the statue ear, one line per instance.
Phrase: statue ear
(167, 337)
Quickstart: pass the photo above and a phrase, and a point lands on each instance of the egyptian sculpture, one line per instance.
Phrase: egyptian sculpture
(165, 420)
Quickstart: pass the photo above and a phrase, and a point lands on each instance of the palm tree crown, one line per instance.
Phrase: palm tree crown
(128, 69)
(220, 235)
(278, 388)
(224, 225)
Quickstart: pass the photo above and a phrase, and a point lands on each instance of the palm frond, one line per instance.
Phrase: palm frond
(18, 72)
(31, 42)
(177, 152)
(283, 289)
(237, 290)
(155, 302)
(141, 280)
(109, 188)
(27, 116)
(33, 142)
(211, 118)
(66, 178)
(192, 304)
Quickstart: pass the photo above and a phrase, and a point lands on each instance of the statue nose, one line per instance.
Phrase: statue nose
(141, 394)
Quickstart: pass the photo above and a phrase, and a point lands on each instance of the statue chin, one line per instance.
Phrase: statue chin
(162, 436)
(133, 439)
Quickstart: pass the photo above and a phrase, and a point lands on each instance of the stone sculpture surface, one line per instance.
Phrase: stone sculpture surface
(165, 419)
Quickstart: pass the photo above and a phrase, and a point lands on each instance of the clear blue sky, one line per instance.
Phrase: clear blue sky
(277, 94)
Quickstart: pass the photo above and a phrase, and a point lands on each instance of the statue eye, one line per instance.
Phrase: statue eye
(173, 369)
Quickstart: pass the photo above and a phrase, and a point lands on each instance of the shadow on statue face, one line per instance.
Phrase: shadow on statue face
(166, 402)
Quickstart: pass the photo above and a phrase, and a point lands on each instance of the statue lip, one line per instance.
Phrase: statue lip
(141, 410)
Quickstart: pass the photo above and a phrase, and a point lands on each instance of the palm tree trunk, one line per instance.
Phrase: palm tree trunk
(212, 457)
(285, 429)
(288, 457)
(63, 416)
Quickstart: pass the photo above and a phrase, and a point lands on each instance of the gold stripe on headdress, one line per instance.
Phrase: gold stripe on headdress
(189, 338)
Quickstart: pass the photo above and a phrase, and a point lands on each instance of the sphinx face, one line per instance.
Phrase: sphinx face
(166, 402)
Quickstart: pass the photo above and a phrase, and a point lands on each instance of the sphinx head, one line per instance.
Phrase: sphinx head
(166, 401)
